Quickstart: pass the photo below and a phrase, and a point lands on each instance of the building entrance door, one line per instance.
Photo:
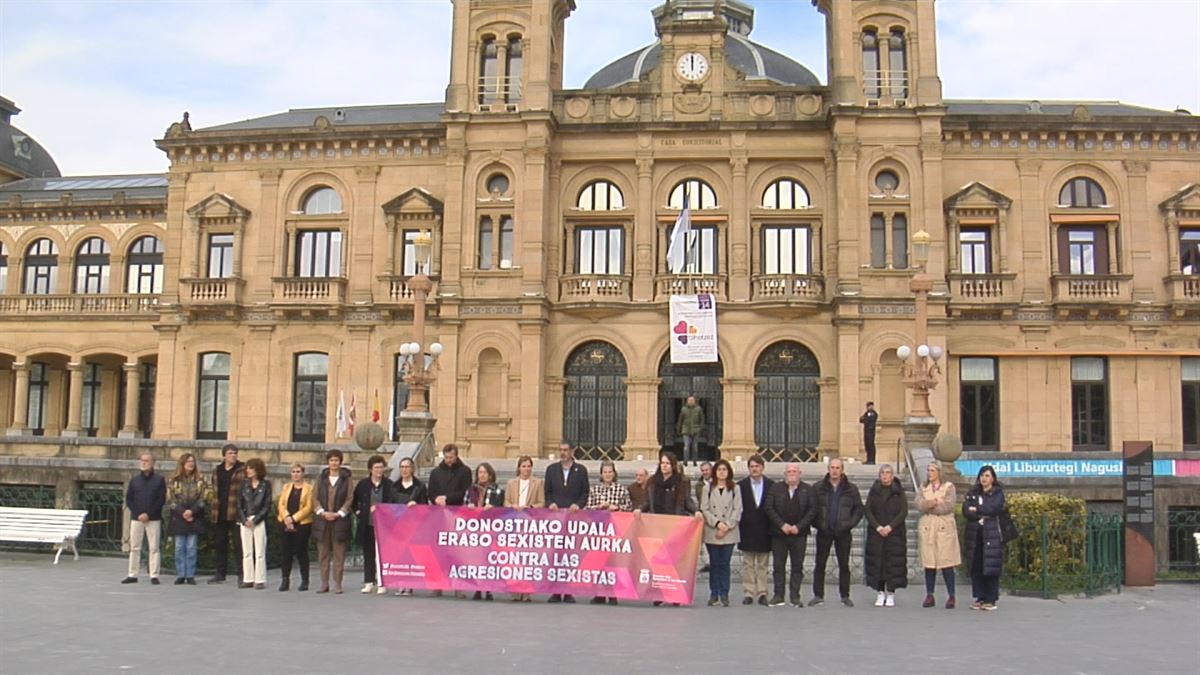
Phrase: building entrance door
(680, 380)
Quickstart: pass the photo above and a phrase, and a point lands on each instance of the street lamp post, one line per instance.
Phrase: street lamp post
(418, 374)
(921, 368)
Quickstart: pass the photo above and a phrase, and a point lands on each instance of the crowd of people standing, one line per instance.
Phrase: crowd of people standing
(768, 521)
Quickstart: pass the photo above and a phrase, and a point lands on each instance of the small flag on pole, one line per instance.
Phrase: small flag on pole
(392, 418)
(375, 412)
(353, 417)
(342, 422)
(677, 251)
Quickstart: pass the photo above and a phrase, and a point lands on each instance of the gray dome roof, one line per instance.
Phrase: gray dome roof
(19, 152)
(753, 60)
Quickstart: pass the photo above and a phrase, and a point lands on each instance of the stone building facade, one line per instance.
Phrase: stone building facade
(266, 275)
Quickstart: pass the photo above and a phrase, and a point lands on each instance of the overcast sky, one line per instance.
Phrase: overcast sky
(99, 81)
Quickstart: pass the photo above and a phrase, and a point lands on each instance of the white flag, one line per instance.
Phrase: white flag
(392, 419)
(680, 234)
(342, 424)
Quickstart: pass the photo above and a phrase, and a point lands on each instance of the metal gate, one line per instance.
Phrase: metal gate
(787, 403)
(105, 504)
(594, 401)
(680, 380)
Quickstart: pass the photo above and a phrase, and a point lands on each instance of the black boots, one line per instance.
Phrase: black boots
(285, 584)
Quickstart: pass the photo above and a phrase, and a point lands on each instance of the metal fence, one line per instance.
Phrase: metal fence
(1183, 550)
(104, 527)
(1078, 553)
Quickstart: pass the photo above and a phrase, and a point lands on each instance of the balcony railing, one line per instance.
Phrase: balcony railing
(67, 305)
(981, 288)
(885, 87)
(499, 94)
(1092, 288)
(788, 287)
(309, 290)
(592, 287)
(227, 291)
(394, 290)
(691, 284)
(1185, 288)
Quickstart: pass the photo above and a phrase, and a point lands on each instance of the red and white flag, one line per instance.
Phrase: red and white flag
(353, 414)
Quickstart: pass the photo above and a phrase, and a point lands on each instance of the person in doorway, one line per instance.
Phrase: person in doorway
(868, 421)
(566, 486)
(938, 533)
(370, 492)
(985, 546)
(295, 514)
(187, 496)
(449, 480)
(254, 505)
(789, 508)
(331, 527)
(145, 497)
(838, 510)
(608, 495)
(886, 564)
(689, 426)
(637, 490)
(721, 504)
(222, 515)
(754, 531)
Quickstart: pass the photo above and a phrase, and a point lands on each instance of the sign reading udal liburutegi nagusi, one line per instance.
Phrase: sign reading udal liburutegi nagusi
(1138, 487)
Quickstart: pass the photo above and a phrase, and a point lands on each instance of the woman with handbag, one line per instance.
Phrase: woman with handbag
(982, 508)
(938, 533)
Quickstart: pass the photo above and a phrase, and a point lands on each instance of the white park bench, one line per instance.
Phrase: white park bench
(43, 526)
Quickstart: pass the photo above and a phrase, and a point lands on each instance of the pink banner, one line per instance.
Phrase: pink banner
(624, 555)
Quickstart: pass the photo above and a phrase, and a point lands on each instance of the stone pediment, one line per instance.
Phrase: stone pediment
(414, 201)
(1187, 199)
(219, 207)
(977, 195)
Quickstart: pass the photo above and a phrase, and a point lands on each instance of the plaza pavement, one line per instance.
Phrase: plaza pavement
(77, 618)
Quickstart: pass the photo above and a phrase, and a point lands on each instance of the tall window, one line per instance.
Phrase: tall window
(1191, 403)
(322, 201)
(1189, 252)
(3, 268)
(900, 241)
(514, 67)
(979, 395)
(600, 250)
(1083, 250)
(90, 415)
(91, 266)
(878, 241)
(898, 65)
(870, 54)
(1081, 193)
(701, 196)
(220, 256)
(145, 265)
(486, 225)
(39, 393)
(785, 194)
(212, 401)
(1089, 403)
(489, 71)
(507, 242)
(702, 250)
(975, 251)
(408, 262)
(310, 398)
(600, 195)
(785, 249)
(319, 253)
(489, 253)
(41, 267)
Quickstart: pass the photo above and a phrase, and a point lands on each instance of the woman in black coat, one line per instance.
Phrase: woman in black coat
(668, 492)
(985, 548)
(886, 564)
(371, 491)
(409, 490)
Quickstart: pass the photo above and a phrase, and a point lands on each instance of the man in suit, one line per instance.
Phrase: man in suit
(754, 532)
(789, 507)
(566, 488)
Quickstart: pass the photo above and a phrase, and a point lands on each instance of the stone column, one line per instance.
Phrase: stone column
(554, 411)
(20, 416)
(739, 264)
(132, 400)
(74, 400)
(739, 417)
(641, 394)
(848, 396)
(644, 230)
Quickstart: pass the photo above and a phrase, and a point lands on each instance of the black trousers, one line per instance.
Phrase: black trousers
(223, 531)
(368, 550)
(783, 548)
(869, 441)
(841, 546)
(295, 545)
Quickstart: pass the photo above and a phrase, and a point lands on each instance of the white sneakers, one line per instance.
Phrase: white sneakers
(885, 599)
(381, 590)
(880, 599)
(367, 588)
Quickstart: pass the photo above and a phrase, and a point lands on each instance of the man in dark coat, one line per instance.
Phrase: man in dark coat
(226, 486)
(886, 564)
(566, 486)
(838, 510)
(449, 480)
(332, 498)
(789, 508)
(754, 532)
(145, 498)
(868, 421)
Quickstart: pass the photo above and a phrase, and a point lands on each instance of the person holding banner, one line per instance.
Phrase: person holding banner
(608, 495)
(331, 528)
(410, 489)
(449, 480)
(637, 490)
(669, 493)
(525, 491)
(485, 493)
(721, 504)
(373, 490)
(566, 486)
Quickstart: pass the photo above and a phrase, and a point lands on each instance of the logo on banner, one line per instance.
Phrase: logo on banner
(683, 330)
(644, 576)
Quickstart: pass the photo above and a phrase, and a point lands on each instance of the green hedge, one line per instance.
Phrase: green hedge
(1052, 542)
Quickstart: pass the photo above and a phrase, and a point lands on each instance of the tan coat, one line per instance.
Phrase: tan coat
(937, 530)
(535, 499)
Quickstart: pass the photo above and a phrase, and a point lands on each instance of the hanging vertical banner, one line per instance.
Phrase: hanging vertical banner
(694, 328)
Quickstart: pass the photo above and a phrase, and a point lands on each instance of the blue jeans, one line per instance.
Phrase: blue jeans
(719, 556)
(186, 548)
(691, 450)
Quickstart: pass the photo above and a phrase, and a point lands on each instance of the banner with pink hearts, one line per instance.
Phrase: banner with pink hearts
(694, 328)
(635, 556)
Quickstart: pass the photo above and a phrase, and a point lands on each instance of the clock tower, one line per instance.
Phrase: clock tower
(692, 64)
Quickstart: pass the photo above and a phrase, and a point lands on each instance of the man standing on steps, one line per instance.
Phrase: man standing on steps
(754, 530)
(145, 498)
(566, 488)
(789, 507)
(227, 485)
(868, 420)
(690, 425)
(838, 508)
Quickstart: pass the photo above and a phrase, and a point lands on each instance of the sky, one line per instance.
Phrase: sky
(99, 80)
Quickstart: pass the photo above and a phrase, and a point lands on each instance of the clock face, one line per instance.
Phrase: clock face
(692, 66)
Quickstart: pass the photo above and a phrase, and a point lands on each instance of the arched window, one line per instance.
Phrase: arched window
(514, 66)
(1081, 193)
(870, 55)
(322, 201)
(785, 194)
(600, 195)
(91, 266)
(594, 401)
(700, 195)
(787, 403)
(145, 266)
(212, 397)
(898, 65)
(310, 395)
(41, 268)
(489, 71)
